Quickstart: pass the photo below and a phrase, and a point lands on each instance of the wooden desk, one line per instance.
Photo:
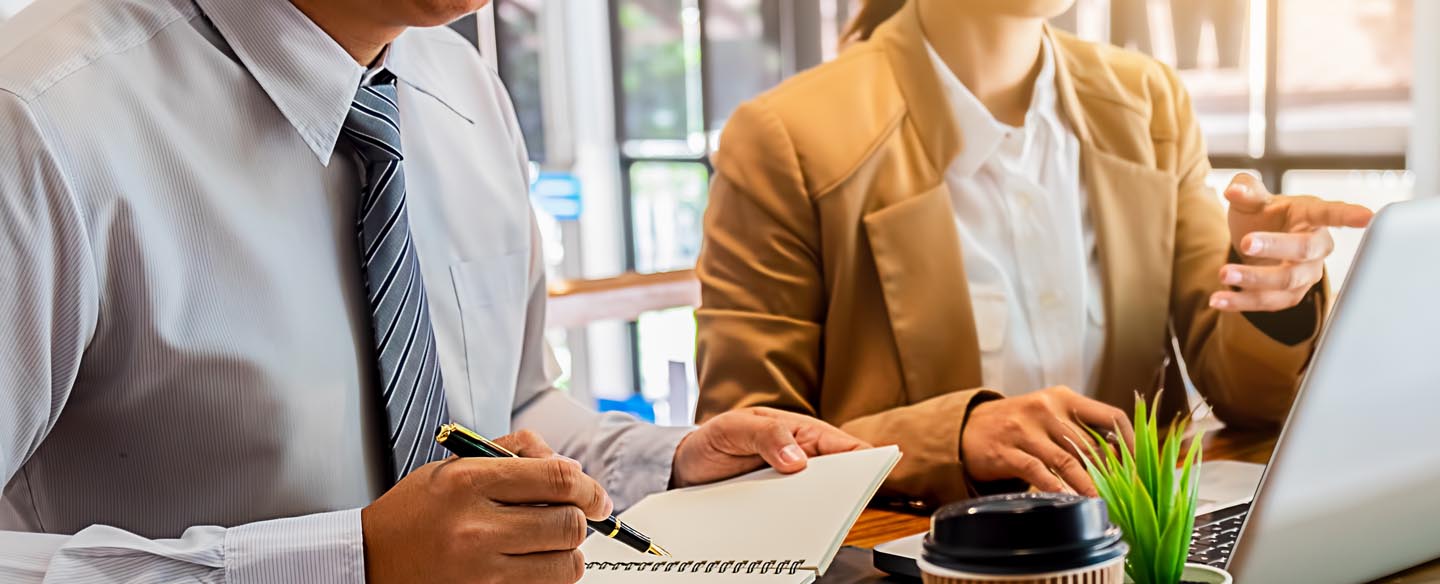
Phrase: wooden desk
(877, 526)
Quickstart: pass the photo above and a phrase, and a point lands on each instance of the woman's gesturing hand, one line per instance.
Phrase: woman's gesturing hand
(1283, 242)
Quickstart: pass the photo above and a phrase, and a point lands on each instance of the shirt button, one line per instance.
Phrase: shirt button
(1050, 300)
(1025, 197)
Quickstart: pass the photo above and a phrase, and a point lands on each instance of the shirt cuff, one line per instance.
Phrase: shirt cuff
(641, 462)
(325, 548)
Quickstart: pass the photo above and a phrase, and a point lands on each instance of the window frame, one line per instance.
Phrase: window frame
(1272, 163)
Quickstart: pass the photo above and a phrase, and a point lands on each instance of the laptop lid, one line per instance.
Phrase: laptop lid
(1351, 492)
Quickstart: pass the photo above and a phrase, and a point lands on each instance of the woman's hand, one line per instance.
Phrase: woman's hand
(1283, 242)
(1033, 437)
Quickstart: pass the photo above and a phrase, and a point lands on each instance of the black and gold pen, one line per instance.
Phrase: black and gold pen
(467, 444)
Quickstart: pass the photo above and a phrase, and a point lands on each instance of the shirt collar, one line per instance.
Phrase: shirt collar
(981, 131)
(309, 77)
(429, 66)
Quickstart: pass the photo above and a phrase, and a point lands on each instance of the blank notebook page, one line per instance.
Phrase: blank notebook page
(755, 522)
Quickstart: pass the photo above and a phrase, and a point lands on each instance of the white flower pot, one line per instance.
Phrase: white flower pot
(1201, 574)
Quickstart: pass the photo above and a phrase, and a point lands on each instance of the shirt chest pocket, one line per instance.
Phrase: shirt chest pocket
(491, 296)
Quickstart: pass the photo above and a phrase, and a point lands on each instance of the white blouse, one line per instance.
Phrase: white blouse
(1027, 240)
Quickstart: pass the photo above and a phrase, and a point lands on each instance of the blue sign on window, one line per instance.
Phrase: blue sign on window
(557, 194)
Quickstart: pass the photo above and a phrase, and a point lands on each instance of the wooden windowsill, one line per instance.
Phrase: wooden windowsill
(576, 303)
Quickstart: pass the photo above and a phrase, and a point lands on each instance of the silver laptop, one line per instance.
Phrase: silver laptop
(1353, 490)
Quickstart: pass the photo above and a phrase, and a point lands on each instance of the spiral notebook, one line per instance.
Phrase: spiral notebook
(763, 527)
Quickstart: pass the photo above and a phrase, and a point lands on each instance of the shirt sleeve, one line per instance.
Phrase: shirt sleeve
(630, 458)
(325, 548)
(48, 294)
(48, 309)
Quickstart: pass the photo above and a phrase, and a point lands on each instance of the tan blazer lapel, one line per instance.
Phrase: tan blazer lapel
(1132, 208)
(922, 274)
(913, 235)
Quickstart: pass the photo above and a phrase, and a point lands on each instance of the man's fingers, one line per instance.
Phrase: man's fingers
(1259, 301)
(832, 440)
(816, 436)
(1247, 194)
(546, 529)
(1064, 463)
(1291, 247)
(527, 444)
(546, 481)
(565, 567)
(773, 441)
(1034, 471)
(1322, 213)
(1289, 276)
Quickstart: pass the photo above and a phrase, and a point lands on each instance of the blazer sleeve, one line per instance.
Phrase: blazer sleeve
(759, 325)
(1248, 376)
(763, 305)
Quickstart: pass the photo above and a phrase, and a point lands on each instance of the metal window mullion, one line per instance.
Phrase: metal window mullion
(1272, 92)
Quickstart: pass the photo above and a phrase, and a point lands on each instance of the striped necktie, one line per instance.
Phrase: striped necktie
(412, 392)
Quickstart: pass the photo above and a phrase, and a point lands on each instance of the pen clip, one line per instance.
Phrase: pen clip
(453, 428)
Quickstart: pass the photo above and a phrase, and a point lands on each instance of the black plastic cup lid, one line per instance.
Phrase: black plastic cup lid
(1023, 533)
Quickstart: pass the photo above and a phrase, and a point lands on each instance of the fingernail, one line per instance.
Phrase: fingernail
(1240, 188)
(1232, 276)
(1255, 246)
(1220, 303)
(609, 505)
(791, 454)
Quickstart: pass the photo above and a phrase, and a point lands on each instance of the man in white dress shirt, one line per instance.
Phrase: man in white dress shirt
(253, 252)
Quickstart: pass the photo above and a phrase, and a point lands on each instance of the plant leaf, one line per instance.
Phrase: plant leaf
(1149, 491)
(1147, 528)
(1166, 489)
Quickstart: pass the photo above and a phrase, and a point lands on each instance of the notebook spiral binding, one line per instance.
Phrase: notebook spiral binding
(694, 567)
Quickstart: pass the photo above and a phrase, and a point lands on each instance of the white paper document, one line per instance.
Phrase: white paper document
(761, 527)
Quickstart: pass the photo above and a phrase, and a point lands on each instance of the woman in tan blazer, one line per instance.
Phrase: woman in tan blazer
(880, 229)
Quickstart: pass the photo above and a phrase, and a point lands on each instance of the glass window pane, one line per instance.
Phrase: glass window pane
(1208, 43)
(667, 204)
(1344, 76)
(834, 15)
(559, 340)
(517, 27)
(659, 69)
(742, 52)
(1371, 188)
(667, 363)
(1087, 19)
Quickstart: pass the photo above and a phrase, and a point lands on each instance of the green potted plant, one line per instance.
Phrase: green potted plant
(1152, 501)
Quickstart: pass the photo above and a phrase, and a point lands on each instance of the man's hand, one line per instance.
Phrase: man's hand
(1033, 437)
(738, 442)
(485, 520)
(1283, 241)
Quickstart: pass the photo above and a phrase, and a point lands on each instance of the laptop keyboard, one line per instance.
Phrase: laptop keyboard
(1215, 535)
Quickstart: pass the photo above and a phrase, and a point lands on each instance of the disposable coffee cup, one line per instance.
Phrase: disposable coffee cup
(1027, 538)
